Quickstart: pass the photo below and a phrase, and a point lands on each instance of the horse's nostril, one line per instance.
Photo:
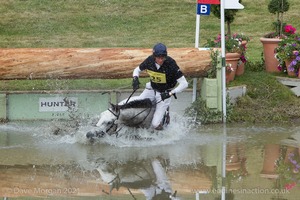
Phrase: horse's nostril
(90, 135)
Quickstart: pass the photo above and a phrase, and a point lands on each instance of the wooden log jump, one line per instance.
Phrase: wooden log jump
(84, 63)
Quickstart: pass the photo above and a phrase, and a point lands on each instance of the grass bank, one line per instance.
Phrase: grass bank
(138, 23)
(267, 100)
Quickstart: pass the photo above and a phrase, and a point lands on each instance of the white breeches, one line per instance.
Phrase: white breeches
(161, 106)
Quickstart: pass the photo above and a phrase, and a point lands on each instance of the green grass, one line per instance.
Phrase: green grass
(126, 23)
(140, 23)
(62, 84)
(95, 23)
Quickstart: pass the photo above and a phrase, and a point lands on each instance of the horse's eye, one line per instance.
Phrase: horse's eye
(109, 123)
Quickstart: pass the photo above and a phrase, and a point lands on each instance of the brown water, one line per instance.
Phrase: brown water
(37, 164)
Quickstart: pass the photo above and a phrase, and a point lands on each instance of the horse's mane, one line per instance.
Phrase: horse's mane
(139, 103)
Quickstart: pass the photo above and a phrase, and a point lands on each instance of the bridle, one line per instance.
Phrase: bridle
(118, 114)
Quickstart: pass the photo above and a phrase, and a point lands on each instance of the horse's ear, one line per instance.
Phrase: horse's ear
(114, 107)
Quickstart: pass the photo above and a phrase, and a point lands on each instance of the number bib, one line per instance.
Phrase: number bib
(157, 77)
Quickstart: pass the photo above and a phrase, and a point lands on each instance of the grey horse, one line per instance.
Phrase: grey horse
(134, 113)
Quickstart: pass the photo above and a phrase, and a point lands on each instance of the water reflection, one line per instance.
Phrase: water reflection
(235, 163)
(147, 175)
(260, 163)
(281, 165)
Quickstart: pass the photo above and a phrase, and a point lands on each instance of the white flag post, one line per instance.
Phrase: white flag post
(225, 4)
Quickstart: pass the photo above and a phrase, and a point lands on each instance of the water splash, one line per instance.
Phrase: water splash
(138, 137)
(68, 132)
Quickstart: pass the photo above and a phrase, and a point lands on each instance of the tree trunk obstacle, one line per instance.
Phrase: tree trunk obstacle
(86, 63)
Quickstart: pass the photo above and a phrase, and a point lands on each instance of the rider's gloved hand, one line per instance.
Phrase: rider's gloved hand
(135, 83)
(165, 95)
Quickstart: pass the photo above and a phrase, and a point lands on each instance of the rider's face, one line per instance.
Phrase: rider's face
(160, 59)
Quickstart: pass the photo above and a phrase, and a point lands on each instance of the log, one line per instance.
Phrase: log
(103, 63)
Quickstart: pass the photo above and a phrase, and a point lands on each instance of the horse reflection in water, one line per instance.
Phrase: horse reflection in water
(136, 113)
(147, 175)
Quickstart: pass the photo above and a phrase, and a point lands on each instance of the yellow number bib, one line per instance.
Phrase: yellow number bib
(157, 77)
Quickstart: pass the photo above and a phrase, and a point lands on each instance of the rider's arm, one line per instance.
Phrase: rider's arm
(136, 71)
(183, 84)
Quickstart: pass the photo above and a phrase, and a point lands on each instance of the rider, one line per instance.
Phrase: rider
(164, 75)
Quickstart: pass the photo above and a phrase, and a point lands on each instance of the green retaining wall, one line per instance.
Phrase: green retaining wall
(211, 90)
(2, 107)
(86, 104)
(31, 106)
(67, 104)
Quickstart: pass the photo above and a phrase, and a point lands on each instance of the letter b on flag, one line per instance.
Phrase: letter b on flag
(203, 9)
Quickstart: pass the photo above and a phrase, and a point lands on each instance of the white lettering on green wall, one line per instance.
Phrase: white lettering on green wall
(57, 104)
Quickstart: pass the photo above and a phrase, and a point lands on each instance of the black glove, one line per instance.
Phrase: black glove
(135, 83)
(165, 95)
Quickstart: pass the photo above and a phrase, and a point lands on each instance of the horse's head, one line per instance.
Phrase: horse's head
(107, 123)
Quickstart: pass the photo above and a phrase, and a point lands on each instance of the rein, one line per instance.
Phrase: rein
(117, 115)
(130, 96)
(141, 113)
(150, 108)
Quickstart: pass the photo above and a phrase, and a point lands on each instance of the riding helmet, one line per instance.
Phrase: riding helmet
(160, 50)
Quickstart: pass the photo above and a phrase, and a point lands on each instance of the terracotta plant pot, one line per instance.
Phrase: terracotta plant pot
(241, 66)
(272, 153)
(233, 59)
(232, 158)
(290, 73)
(230, 76)
(240, 69)
(269, 45)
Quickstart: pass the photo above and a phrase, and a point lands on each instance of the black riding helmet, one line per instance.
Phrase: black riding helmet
(160, 50)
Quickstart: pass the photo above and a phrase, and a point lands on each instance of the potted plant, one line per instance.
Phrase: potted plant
(287, 53)
(230, 73)
(232, 45)
(278, 7)
(294, 65)
(270, 41)
(243, 39)
(233, 49)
